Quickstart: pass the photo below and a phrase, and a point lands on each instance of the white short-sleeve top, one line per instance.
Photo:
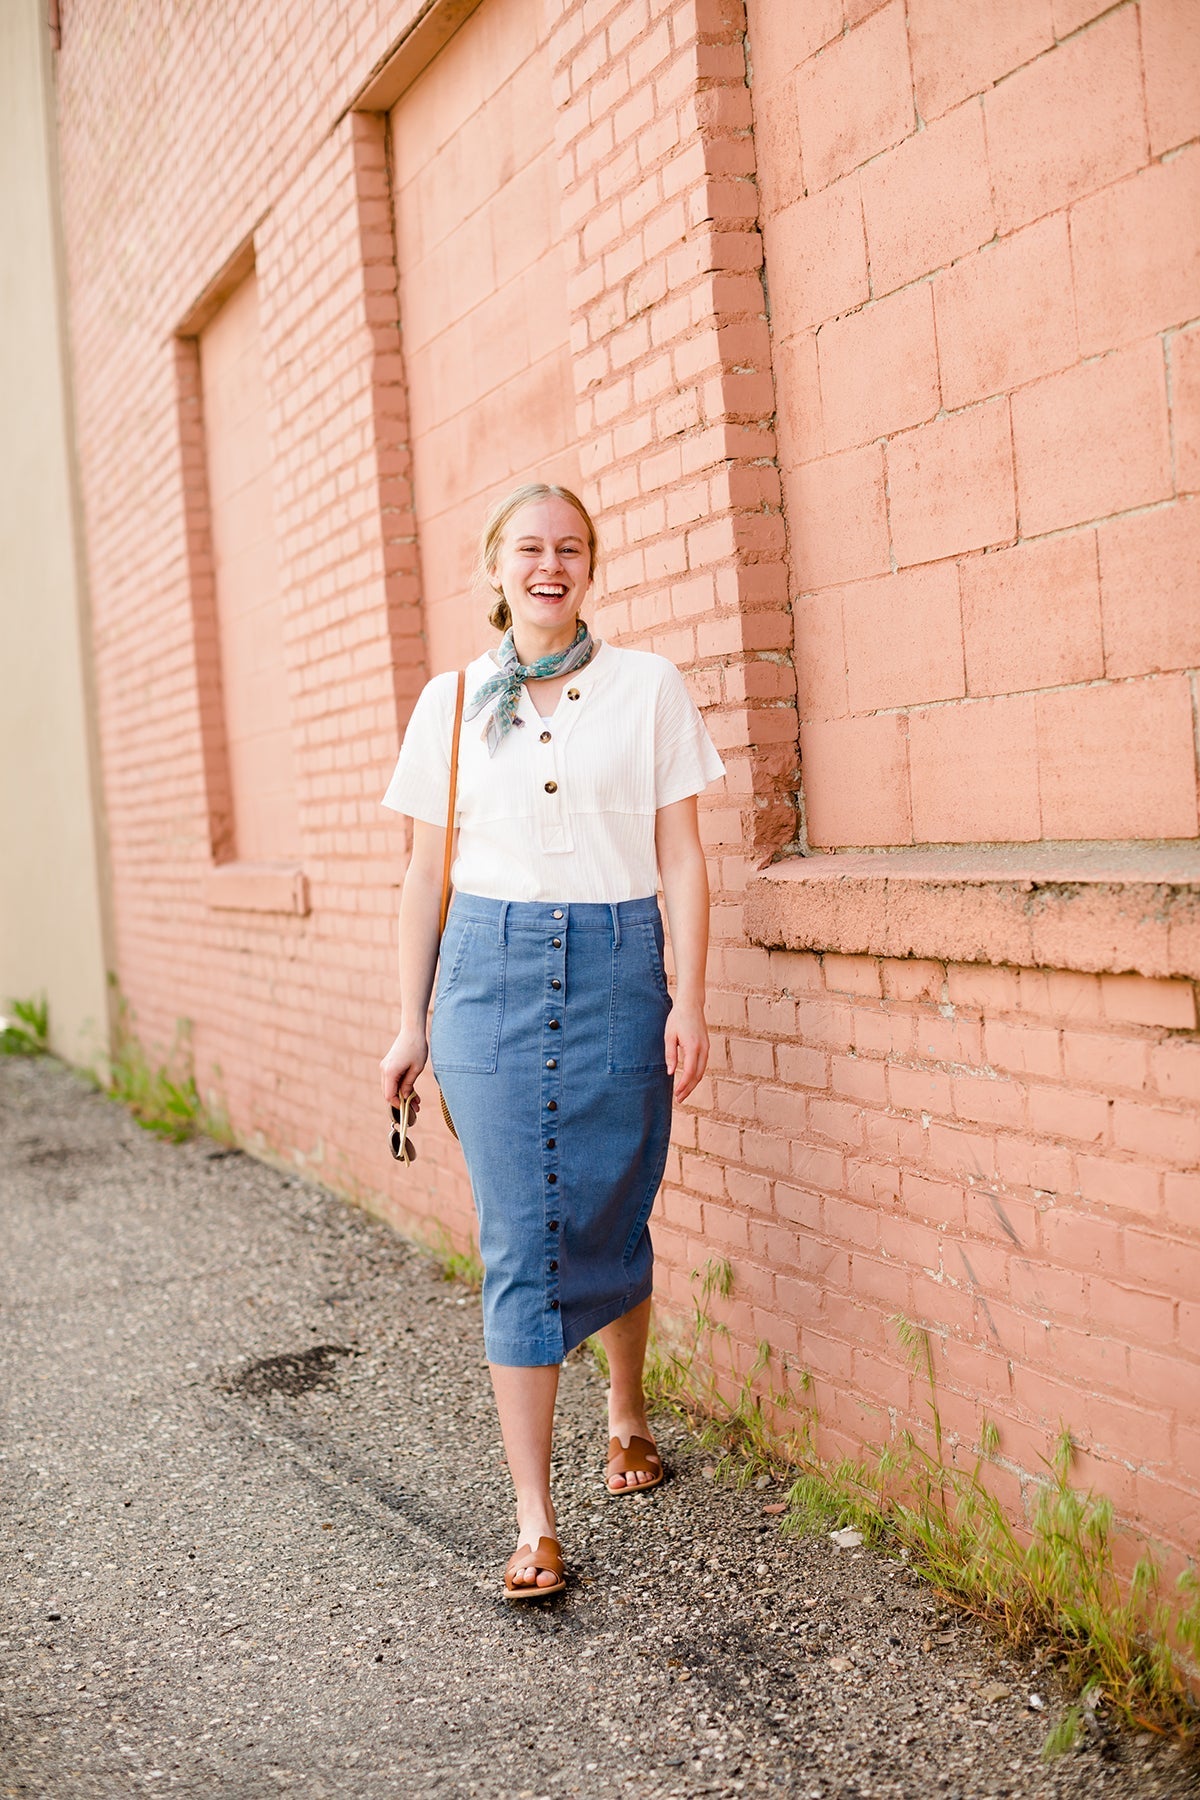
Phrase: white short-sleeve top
(565, 808)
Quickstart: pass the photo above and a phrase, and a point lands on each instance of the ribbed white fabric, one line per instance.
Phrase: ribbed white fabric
(630, 742)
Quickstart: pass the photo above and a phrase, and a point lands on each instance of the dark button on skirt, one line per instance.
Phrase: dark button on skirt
(563, 1222)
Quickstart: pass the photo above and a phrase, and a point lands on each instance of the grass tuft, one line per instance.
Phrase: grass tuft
(1050, 1586)
(163, 1097)
(25, 1028)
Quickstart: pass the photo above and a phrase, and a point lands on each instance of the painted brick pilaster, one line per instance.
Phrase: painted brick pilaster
(673, 373)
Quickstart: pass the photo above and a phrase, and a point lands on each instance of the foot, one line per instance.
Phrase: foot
(624, 1429)
(532, 1525)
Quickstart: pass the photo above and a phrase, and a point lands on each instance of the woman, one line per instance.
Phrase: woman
(554, 1040)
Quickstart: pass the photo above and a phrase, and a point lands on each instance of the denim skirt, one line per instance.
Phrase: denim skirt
(547, 1042)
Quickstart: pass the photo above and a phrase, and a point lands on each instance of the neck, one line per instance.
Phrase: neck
(530, 643)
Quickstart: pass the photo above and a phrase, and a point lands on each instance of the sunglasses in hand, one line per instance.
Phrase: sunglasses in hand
(403, 1148)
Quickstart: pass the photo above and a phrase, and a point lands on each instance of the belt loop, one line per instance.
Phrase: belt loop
(502, 934)
(616, 924)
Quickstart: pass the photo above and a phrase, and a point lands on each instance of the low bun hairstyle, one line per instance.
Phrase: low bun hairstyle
(489, 544)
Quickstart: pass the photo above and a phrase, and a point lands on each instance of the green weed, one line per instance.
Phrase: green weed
(1050, 1585)
(462, 1266)
(25, 1028)
(162, 1097)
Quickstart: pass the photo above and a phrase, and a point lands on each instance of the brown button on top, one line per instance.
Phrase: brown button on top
(556, 943)
(551, 1064)
(554, 1306)
(550, 1143)
(553, 1266)
(552, 1179)
(544, 738)
(557, 915)
(552, 1106)
(556, 983)
(552, 787)
(554, 1024)
(572, 693)
(554, 1224)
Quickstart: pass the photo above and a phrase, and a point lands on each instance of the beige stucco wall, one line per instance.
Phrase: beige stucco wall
(52, 933)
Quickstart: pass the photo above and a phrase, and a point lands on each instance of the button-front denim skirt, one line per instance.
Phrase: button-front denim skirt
(547, 1042)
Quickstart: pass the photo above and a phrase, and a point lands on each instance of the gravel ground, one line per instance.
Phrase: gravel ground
(253, 1513)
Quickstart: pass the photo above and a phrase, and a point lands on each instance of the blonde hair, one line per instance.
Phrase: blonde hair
(489, 544)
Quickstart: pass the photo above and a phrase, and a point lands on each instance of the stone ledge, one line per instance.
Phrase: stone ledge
(1097, 908)
(257, 887)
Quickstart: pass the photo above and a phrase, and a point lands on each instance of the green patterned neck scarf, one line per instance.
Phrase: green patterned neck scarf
(513, 675)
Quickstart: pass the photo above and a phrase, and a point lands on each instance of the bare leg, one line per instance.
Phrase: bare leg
(624, 1344)
(525, 1401)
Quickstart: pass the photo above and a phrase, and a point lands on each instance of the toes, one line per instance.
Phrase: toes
(547, 1578)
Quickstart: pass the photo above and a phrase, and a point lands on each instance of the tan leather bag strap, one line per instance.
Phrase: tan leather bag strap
(458, 719)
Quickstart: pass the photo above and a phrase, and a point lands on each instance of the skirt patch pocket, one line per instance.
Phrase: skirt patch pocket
(469, 1006)
(640, 1002)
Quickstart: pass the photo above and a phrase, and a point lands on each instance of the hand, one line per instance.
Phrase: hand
(400, 1067)
(686, 1047)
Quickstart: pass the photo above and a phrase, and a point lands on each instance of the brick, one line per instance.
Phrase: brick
(878, 368)
(911, 978)
(1163, 1262)
(975, 984)
(974, 773)
(781, 38)
(957, 51)
(1132, 1432)
(1078, 1240)
(1005, 315)
(1148, 569)
(1118, 760)
(1181, 1199)
(1045, 1168)
(854, 97)
(816, 258)
(1128, 1186)
(1067, 123)
(903, 638)
(1023, 1049)
(1183, 364)
(1011, 1223)
(1060, 1113)
(837, 519)
(929, 201)
(1106, 1062)
(1093, 440)
(960, 1152)
(1135, 249)
(851, 974)
(1171, 58)
(1146, 999)
(1031, 615)
(920, 1091)
(1175, 1069)
(820, 655)
(855, 775)
(1135, 1314)
(1060, 994)
(988, 1100)
(951, 484)
(1157, 1132)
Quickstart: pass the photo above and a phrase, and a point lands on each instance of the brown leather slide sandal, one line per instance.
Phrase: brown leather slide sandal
(639, 1457)
(547, 1556)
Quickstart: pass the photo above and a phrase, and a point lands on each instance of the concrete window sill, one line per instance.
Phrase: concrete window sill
(1097, 908)
(257, 887)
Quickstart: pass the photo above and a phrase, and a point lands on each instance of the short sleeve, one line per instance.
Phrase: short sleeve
(685, 757)
(420, 784)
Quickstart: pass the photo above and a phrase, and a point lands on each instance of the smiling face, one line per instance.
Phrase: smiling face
(543, 567)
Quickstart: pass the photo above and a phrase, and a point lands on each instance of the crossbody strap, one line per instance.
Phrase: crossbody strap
(458, 719)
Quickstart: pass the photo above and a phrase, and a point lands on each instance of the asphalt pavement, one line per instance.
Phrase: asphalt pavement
(253, 1513)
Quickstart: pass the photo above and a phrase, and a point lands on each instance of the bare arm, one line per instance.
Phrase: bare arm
(685, 890)
(420, 905)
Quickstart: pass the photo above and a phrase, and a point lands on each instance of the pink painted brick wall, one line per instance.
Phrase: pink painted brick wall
(982, 229)
(559, 226)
